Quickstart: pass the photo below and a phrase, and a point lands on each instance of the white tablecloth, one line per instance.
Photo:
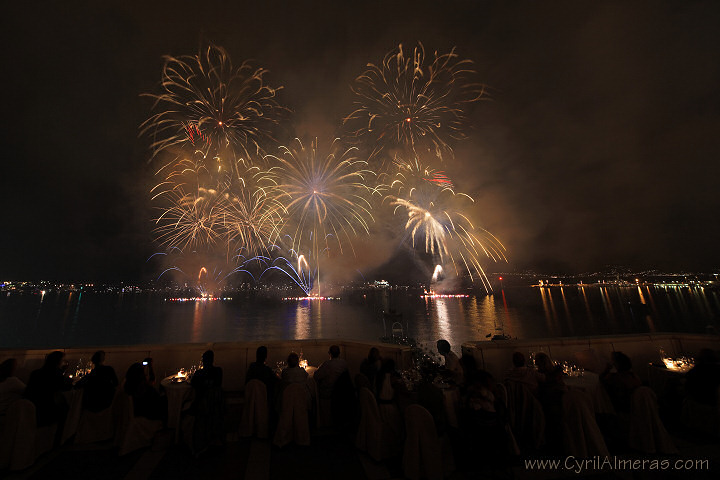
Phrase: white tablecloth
(177, 394)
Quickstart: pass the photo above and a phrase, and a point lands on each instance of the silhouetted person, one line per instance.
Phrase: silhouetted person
(328, 373)
(208, 377)
(703, 380)
(370, 366)
(258, 370)
(99, 386)
(147, 402)
(452, 363)
(550, 391)
(482, 441)
(45, 388)
(208, 406)
(11, 387)
(621, 383)
(293, 373)
(391, 393)
(520, 372)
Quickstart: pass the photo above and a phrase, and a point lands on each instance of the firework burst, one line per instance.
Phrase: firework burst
(253, 211)
(211, 105)
(191, 219)
(436, 220)
(412, 102)
(325, 193)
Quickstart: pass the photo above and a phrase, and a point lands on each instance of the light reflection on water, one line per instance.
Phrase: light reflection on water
(92, 319)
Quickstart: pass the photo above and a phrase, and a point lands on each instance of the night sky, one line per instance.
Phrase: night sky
(598, 143)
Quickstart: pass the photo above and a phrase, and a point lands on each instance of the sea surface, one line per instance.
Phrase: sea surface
(85, 319)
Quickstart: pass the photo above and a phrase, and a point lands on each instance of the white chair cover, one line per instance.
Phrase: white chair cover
(92, 427)
(72, 421)
(581, 435)
(17, 438)
(374, 436)
(95, 426)
(255, 416)
(389, 411)
(132, 432)
(647, 433)
(21, 441)
(293, 424)
(422, 453)
(526, 416)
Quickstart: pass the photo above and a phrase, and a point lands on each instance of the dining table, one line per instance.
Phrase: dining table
(178, 391)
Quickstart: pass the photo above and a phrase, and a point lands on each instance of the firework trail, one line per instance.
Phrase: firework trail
(295, 268)
(413, 102)
(205, 272)
(210, 105)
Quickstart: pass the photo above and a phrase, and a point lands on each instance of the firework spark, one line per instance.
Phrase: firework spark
(412, 102)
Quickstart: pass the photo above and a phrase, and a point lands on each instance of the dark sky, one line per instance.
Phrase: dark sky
(599, 144)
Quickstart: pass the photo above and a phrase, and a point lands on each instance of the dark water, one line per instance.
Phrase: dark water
(74, 319)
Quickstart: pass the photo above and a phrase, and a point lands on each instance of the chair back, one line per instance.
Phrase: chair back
(255, 416)
(17, 436)
(344, 402)
(96, 426)
(293, 424)
(374, 436)
(647, 432)
(421, 455)
(582, 437)
(525, 415)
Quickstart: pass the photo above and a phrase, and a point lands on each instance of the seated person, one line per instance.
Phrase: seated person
(45, 388)
(208, 406)
(370, 366)
(328, 373)
(293, 373)
(453, 368)
(621, 383)
(483, 437)
(258, 370)
(703, 380)
(391, 393)
(147, 402)
(520, 372)
(550, 393)
(208, 377)
(99, 385)
(11, 387)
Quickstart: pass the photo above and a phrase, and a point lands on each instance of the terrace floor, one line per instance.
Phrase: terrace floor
(330, 456)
